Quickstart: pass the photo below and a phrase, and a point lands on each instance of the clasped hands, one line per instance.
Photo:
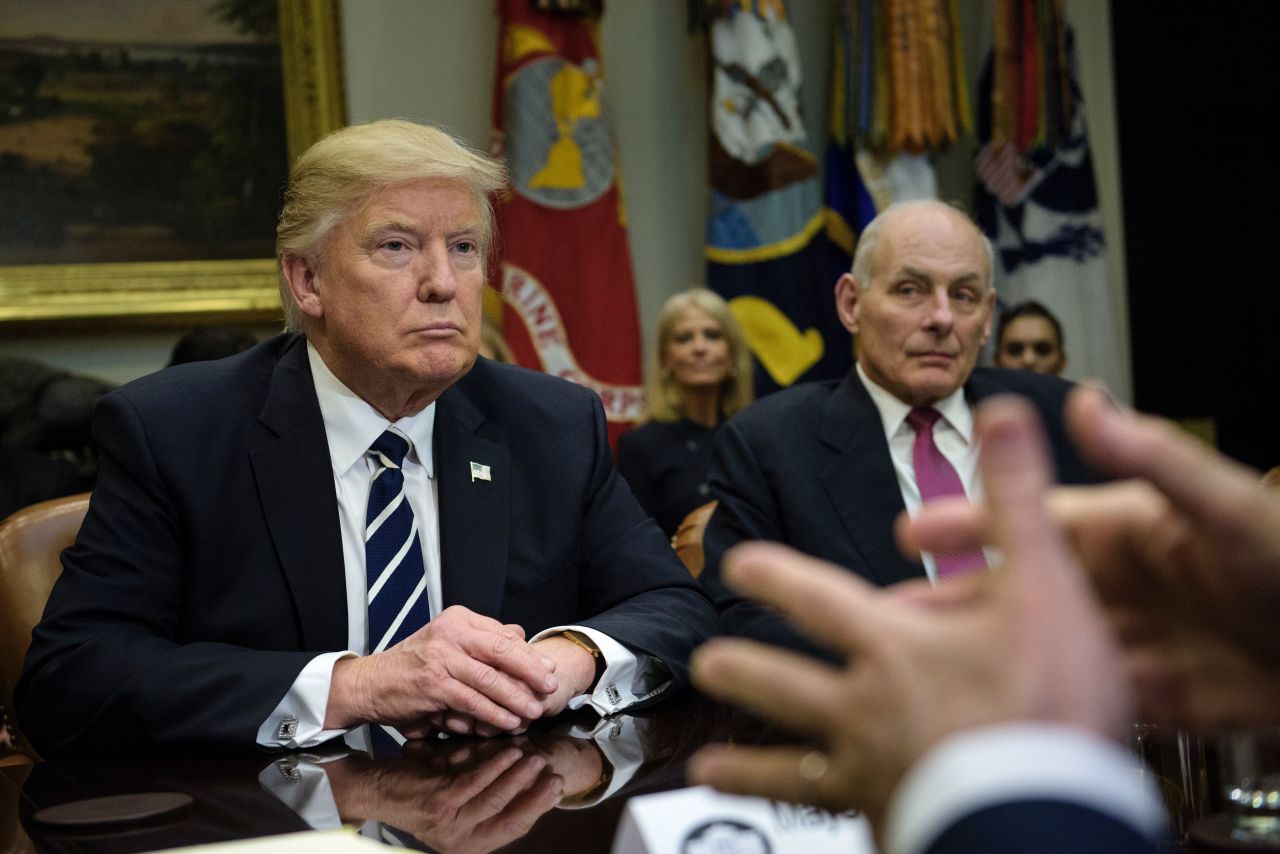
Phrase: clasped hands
(461, 673)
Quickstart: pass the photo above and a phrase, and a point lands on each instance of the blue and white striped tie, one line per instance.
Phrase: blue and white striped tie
(397, 582)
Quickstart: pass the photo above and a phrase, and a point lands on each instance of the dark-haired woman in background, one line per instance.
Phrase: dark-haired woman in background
(1030, 337)
(702, 375)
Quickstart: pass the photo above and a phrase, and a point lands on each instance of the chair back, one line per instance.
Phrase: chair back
(688, 537)
(31, 544)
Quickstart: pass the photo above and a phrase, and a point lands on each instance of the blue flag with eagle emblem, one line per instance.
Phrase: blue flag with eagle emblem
(767, 250)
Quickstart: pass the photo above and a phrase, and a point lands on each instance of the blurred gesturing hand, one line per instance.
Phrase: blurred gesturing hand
(1027, 642)
(1187, 562)
(1185, 557)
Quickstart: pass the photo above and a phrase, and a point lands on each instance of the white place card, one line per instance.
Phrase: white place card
(703, 821)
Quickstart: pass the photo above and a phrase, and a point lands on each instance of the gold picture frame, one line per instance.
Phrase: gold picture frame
(185, 292)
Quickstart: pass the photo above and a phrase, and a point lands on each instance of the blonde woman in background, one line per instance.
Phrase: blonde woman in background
(701, 376)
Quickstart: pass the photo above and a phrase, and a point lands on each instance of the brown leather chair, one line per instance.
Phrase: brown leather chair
(688, 537)
(31, 544)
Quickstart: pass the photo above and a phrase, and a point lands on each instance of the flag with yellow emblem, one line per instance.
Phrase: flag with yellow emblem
(767, 251)
(565, 275)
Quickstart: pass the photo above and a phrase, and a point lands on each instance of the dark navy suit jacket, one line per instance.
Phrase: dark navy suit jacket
(209, 569)
(1045, 827)
(810, 467)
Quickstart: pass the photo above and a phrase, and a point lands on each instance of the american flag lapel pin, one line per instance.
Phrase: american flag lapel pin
(480, 471)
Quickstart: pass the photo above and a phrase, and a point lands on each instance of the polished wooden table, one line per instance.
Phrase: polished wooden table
(453, 794)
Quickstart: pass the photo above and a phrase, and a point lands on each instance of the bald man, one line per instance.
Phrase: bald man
(826, 467)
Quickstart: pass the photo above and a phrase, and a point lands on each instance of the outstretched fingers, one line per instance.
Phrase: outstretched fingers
(829, 604)
(791, 774)
(1016, 475)
(941, 526)
(796, 691)
(1207, 488)
(1065, 648)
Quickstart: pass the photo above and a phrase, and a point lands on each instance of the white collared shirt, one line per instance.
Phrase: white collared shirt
(1015, 762)
(351, 426)
(953, 435)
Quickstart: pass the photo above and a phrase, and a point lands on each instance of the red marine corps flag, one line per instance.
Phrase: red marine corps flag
(566, 269)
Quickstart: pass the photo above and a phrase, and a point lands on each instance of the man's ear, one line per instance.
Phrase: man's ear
(301, 275)
(991, 315)
(848, 292)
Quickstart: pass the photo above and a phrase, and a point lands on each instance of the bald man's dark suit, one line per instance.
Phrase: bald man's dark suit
(209, 569)
(810, 467)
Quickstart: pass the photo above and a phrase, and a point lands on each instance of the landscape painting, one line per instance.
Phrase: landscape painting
(139, 130)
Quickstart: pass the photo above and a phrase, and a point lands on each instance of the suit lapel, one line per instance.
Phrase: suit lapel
(861, 482)
(295, 484)
(980, 387)
(474, 513)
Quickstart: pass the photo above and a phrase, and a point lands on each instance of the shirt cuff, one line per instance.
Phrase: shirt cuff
(1008, 763)
(302, 785)
(298, 720)
(626, 676)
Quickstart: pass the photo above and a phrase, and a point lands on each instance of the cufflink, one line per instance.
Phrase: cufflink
(288, 769)
(614, 695)
(287, 729)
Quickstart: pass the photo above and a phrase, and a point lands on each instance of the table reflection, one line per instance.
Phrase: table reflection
(556, 788)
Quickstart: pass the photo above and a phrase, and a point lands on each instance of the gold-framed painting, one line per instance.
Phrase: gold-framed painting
(142, 161)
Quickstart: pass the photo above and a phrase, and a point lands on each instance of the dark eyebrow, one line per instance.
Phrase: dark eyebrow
(921, 275)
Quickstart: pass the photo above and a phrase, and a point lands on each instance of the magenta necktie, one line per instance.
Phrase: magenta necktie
(937, 478)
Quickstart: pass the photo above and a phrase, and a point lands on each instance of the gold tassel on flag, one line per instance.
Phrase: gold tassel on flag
(937, 36)
(964, 109)
(919, 97)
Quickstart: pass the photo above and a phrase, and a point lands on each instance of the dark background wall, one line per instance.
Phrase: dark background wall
(1196, 102)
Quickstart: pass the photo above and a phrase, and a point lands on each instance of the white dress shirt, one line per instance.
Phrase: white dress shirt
(300, 783)
(1006, 763)
(953, 436)
(351, 426)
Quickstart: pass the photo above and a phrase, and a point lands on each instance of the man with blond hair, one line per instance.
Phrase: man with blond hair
(358, 521)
